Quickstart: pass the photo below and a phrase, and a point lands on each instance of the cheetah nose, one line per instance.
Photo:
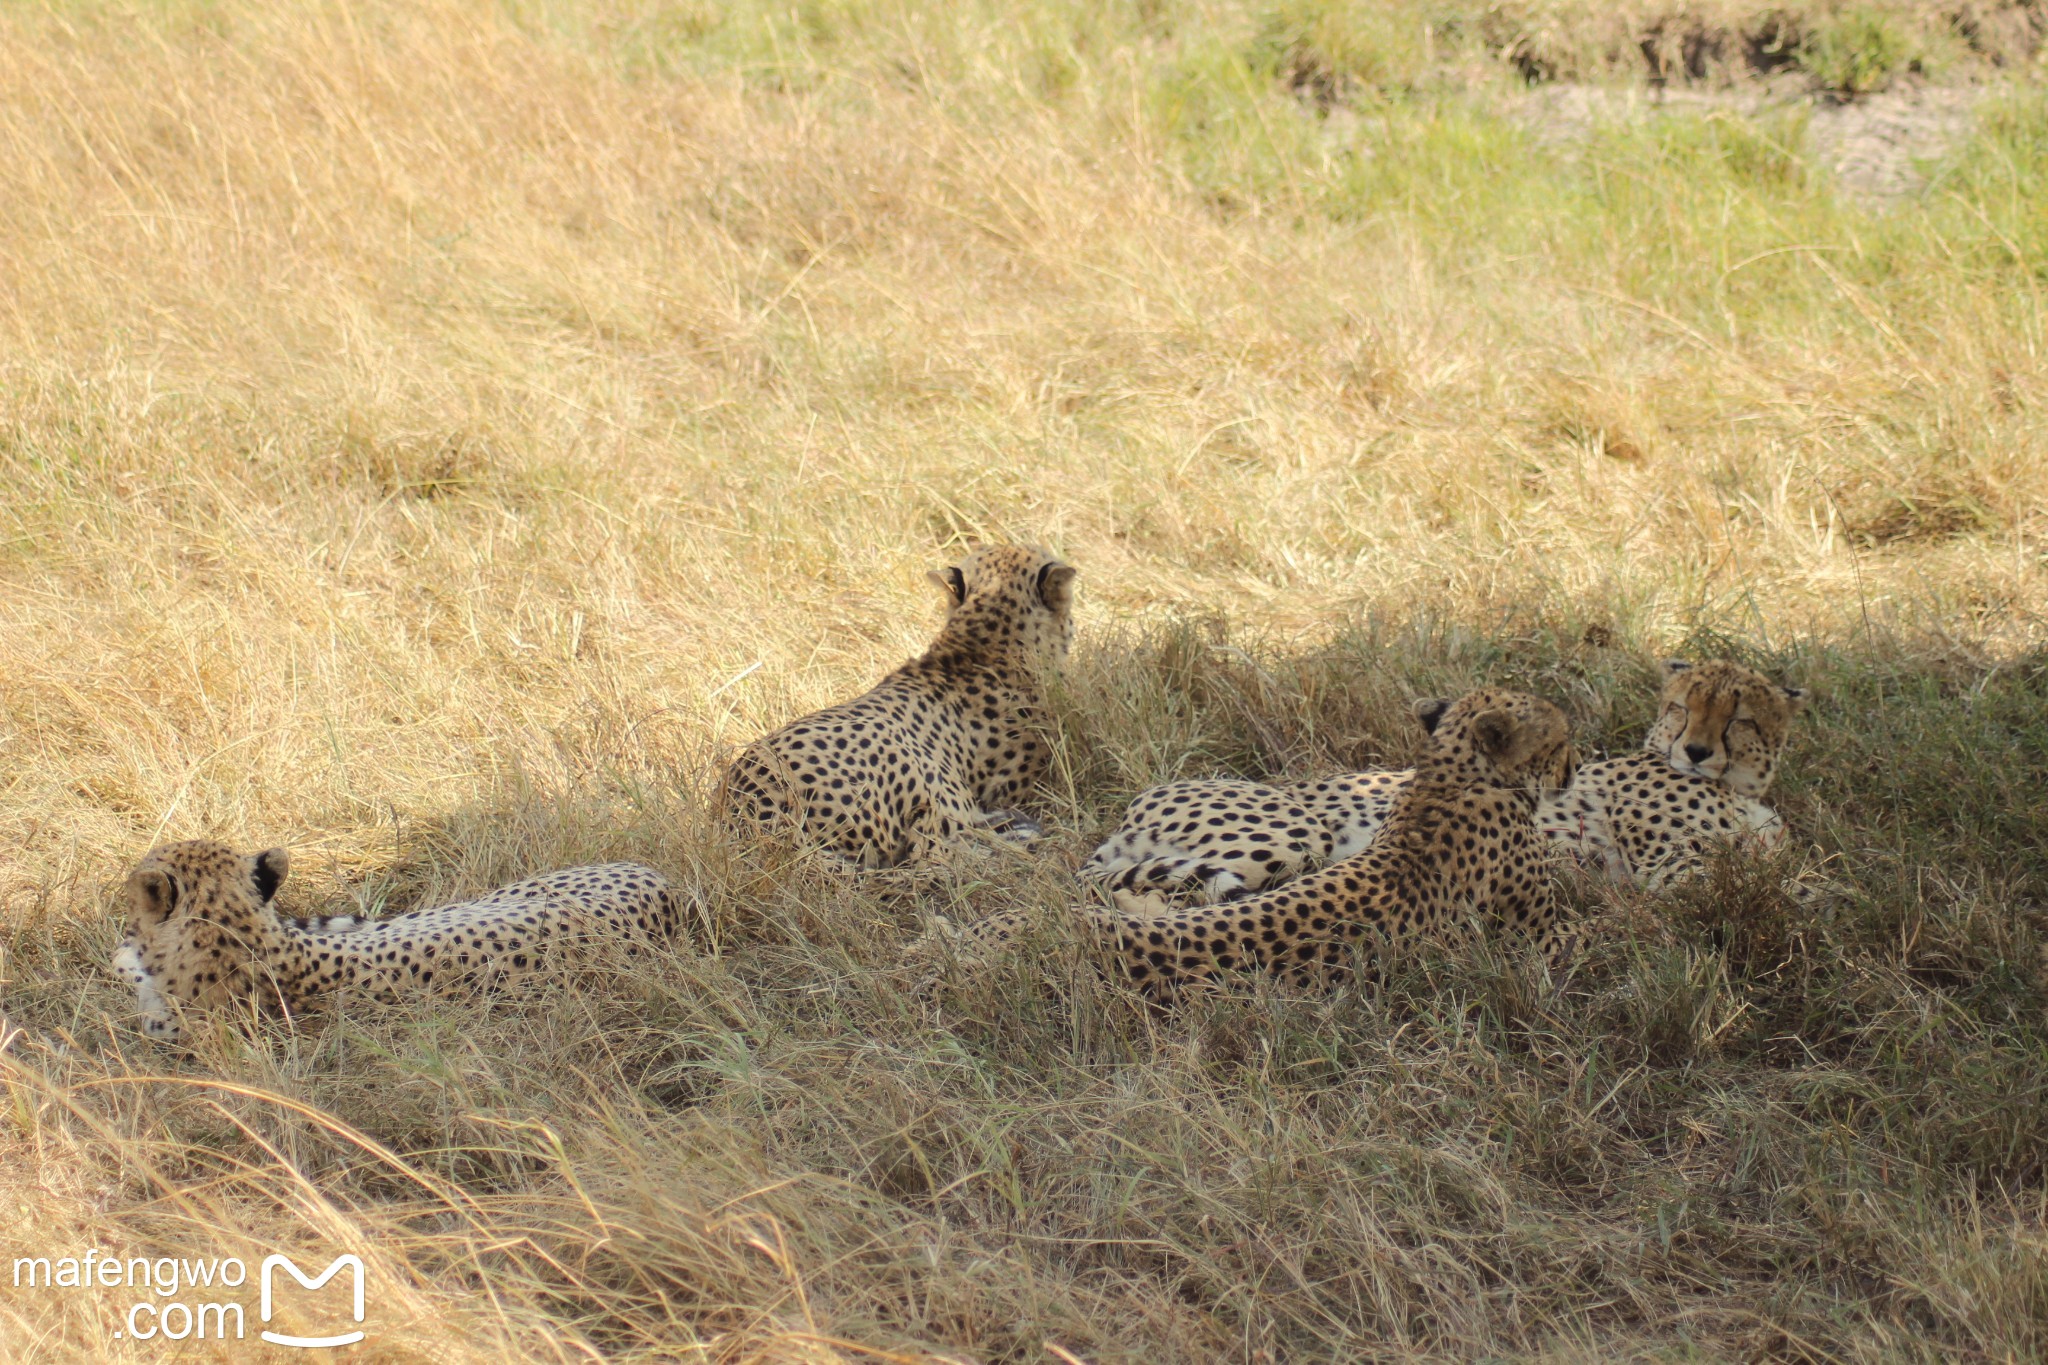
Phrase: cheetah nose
(1698, 753)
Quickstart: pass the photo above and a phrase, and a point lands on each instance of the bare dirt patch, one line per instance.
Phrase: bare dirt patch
(1877, 147)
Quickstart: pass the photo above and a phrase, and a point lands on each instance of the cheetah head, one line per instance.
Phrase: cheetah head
(1012, 597)
(196, 911)
(1723, 722)
(1502, 738)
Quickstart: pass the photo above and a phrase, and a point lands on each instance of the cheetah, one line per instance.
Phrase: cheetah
(1648, 819)
(1218, 839)
(942, 746)
(1655, 816)
(1460, 850)
(203, 933)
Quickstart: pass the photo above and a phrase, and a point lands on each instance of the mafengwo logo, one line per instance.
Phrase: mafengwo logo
(182, 1300)
(351, 1262)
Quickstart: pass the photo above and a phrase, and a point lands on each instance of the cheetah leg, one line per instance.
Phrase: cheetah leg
(327, 924)
(1014, 826)
(1679, 865)
(949, 817)
(1155, 886)
(159, 1019)
(974, 944)
(1803, 887)
(983, 942)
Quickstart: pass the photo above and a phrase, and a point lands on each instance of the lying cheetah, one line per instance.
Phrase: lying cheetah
(203, 933)
(1212, 840)
(1657, 814)
(1649, 818)
(942, 745)
(1460, 850)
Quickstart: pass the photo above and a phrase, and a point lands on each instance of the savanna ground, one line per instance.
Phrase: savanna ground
(433, 432)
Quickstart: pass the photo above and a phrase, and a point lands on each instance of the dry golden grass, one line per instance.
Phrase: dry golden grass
(431, 431)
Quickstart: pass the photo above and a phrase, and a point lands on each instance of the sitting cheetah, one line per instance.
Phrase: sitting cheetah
(203, 933)
(1460, 849)
(942, 745)
(1648, 818)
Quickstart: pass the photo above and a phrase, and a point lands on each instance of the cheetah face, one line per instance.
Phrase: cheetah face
(1019, 595)
(1724, 723)
(1509, 738)
(196, 911)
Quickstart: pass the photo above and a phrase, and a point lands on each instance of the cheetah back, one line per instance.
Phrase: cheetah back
(1209, 839)
(940, 746)
(1448, 858)
(509, 936)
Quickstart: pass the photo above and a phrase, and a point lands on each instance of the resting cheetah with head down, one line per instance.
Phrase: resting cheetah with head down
(942, 745)
(1649, 818)
(203, 934)
(1460, 849)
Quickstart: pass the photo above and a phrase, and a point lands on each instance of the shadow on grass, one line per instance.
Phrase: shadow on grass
(1733, 1124)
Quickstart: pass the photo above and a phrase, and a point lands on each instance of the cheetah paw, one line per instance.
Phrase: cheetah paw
(1015, 827)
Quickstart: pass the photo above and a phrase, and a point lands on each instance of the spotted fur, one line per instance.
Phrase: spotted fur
(1655, 817)
(204, 933)
(1204, 841)
(1646, 819)
(944, 745)
(1460, 851)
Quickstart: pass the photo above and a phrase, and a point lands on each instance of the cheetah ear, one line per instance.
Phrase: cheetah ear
(951, 582)
(269, 870)
(1673, 667)
(152, 896)
(1493, 733)
(1795, 699)
(1431, 712)
(1056, 587)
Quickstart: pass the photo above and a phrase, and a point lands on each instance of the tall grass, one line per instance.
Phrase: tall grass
(432, 431)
